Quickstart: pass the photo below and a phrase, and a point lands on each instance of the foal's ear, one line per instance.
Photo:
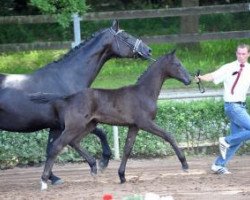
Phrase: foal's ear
(173, 52)
(115, 25)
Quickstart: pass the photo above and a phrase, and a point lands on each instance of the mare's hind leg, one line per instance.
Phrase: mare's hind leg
(132, 132)
(151, 127)
(106, 151)
(53, 135)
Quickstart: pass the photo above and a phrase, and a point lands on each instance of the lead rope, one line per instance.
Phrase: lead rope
(199, 83)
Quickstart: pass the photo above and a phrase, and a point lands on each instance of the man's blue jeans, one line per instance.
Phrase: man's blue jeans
(239, 130)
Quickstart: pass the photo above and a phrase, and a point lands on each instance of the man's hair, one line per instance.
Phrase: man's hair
(241, 46)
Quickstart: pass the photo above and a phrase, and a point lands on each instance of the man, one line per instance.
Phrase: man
(235, 77)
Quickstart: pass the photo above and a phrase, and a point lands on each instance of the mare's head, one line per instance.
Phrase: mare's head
(175, 69)
(125, 45)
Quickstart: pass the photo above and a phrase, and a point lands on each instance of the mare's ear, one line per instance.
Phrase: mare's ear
(115, 25)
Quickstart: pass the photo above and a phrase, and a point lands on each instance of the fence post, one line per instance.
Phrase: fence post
(116, 142)
(77, 30)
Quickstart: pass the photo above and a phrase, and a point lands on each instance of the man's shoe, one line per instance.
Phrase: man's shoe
(223, 147)
(217, 169)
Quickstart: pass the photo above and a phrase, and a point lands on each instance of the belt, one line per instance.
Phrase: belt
(238, 102)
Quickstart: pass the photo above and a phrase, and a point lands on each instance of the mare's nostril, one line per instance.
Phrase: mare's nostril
(149, 51)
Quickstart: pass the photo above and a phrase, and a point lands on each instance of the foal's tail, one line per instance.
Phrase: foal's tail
(44, 97)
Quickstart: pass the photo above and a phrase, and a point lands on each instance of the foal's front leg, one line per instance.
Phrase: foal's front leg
(151, 127)
(75, 143)
(132, 132)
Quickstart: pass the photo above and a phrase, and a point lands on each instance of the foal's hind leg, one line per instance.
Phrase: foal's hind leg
(132, 132)
(53, 135)
(65, 138)
(151, 127)
(106, 151)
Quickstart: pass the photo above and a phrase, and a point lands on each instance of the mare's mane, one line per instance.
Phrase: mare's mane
(74, 50)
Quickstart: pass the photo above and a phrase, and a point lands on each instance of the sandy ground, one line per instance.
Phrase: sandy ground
(161, 176)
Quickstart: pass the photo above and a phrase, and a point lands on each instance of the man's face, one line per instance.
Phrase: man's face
(242, 55)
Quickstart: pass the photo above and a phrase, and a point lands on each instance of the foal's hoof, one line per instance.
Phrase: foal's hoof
(123, 180)
(93, 171)
(185, 168)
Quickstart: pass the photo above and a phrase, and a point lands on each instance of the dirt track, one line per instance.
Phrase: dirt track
(160, 176)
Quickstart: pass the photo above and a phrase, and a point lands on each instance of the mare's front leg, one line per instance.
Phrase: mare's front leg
(151, 127)
(106, 151)
(132, 132)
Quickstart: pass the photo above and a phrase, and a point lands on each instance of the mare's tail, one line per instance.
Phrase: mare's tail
(44, 97)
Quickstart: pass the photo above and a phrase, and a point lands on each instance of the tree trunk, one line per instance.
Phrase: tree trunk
(190, 24)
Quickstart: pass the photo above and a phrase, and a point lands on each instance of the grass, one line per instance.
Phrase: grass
(121, 72)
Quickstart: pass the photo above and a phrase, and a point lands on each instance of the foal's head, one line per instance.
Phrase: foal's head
(126, 45)
(175, 69)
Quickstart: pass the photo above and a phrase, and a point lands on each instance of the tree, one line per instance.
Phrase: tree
(63, 9)
(190, 24)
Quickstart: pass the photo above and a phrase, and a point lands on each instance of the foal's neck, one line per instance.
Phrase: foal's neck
(152, 80)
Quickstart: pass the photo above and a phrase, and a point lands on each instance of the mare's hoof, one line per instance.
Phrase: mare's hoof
(55, 180)
(103, 163)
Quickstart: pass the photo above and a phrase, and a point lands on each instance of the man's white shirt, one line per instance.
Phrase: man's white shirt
(228, 74)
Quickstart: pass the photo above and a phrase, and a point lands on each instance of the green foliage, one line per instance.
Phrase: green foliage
(20, 148)
(63, 9)
(133, 197)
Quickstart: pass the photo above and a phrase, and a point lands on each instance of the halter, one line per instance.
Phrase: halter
(135, 46)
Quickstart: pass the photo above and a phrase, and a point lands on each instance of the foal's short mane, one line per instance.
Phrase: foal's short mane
(151, 67)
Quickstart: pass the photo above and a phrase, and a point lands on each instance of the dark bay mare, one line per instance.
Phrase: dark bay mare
(133, 106)
(72, 73)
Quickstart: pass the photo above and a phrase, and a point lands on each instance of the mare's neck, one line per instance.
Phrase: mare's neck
(80, 67)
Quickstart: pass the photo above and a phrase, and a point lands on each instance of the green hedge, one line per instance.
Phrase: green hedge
(192, 122)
